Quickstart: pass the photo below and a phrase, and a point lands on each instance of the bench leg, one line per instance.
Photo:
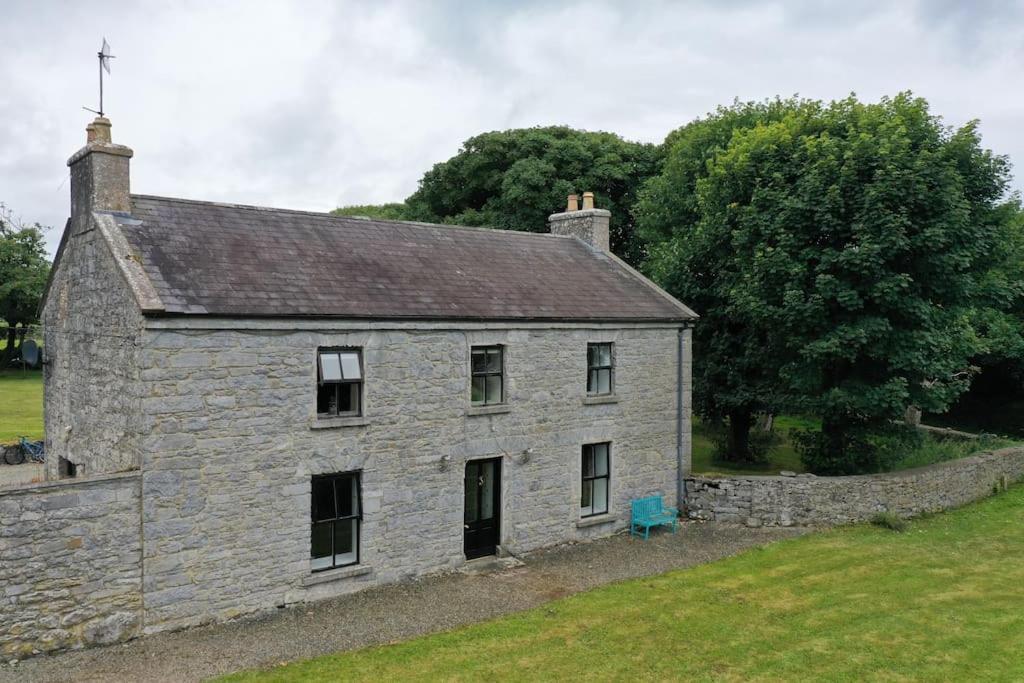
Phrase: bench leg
(647, 530)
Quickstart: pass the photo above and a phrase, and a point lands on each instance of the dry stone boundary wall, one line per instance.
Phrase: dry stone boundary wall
(806, 500)
(70, 564)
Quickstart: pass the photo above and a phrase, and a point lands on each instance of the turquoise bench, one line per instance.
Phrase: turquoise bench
(650, 511)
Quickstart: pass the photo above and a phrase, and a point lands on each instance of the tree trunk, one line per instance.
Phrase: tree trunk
(738, 442)
(834, 432)
(8, 354)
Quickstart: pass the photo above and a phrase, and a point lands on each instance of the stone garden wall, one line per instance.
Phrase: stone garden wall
(70, 564)
(806, 500)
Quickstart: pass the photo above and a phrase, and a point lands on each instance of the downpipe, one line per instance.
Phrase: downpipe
(680, 488)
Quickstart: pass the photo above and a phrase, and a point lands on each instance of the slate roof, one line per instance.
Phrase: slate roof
(206, 258)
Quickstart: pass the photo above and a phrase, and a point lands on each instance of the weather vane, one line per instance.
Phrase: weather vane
(104, 57)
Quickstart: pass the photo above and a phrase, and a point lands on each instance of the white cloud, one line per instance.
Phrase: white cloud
(315, 104)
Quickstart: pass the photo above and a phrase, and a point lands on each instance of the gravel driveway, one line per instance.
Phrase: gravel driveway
(392, 613)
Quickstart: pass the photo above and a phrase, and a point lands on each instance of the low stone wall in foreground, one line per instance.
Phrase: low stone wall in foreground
(806, 500)
(70, 564)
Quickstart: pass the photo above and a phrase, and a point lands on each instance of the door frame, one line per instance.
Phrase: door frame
(498, 502)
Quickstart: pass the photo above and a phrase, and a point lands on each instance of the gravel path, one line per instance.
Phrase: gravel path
(392, 613)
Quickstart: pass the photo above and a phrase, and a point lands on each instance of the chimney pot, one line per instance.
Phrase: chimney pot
(98, 131)
(589, 225)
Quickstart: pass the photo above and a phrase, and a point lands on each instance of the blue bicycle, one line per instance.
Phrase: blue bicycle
(26, 450)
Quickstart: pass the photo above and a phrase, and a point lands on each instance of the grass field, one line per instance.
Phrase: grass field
(941, 601)
(21, 405)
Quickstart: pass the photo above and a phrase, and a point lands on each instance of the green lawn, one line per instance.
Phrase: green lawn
(941, 601)
(21, 405)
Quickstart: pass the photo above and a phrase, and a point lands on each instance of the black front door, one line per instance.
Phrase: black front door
(483, 507)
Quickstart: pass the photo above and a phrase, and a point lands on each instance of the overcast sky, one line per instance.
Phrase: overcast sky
(311, 105)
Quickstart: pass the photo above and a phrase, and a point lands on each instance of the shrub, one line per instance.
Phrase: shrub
(932, 448)
(885, 448)
(856, 455)
(894, 442)
(888, 520)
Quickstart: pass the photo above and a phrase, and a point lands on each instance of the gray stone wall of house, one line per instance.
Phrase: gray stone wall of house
(91, 326)
(232, 441)
(812, 501)
(70, 564)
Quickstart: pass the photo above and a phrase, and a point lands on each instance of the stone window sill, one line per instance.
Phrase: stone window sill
(335, 422)
(489, 410)
(336, 574)
(595, 520)
(600, 400)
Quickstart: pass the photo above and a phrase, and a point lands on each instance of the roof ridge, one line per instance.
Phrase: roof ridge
(334, 216)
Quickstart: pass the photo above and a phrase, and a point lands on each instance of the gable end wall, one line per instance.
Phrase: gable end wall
(91, 326)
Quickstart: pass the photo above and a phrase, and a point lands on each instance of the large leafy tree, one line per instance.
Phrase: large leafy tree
(23, 273)
(515, 179)
(998, 388)
(737, 372)
(999, 316)
(855, 242)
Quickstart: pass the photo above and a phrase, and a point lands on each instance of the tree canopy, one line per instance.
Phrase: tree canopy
(395, 211)
(737, 372)
(843, 254)
(23, 272)
(848, 259)
(515, 179)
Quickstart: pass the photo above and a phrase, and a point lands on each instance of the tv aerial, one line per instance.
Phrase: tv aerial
(104, 57)
(29, 353)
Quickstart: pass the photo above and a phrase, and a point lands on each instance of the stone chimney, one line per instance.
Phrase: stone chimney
(99, 176)
(588, 224)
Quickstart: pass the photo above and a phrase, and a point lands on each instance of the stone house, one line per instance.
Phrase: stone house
(311, 404)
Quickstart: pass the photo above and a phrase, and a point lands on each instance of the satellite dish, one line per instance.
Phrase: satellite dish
(30, 353)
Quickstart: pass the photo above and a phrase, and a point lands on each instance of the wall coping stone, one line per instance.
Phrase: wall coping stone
(67, 483)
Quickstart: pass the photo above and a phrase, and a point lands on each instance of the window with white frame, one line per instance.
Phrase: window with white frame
(336, 515)
(339, 386)
(594, 495)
